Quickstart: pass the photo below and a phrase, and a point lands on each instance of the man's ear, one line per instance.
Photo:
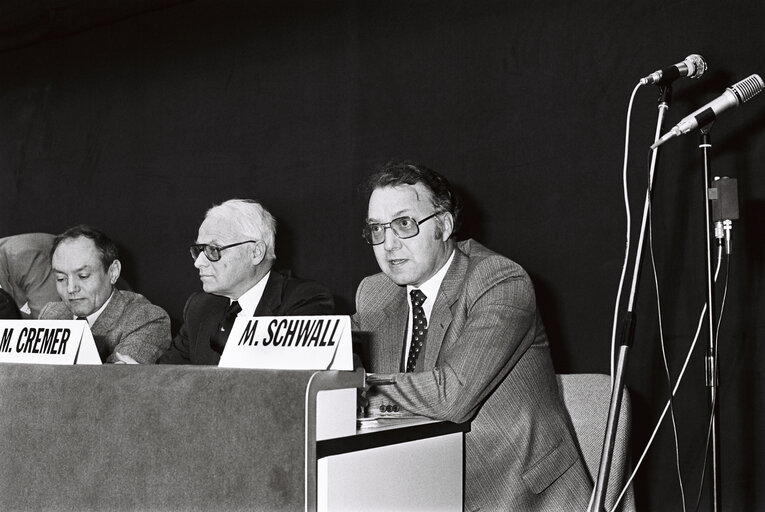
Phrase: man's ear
(447, 225)
(258, 252)
(114, 271)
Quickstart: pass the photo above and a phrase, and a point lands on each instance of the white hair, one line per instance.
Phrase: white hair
(250, 219)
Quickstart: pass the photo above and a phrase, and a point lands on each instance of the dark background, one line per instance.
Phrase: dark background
(136, 116)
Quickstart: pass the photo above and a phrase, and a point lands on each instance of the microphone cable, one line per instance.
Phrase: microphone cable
(628, 229)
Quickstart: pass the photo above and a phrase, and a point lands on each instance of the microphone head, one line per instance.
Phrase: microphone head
(696, 65)
(747, 88)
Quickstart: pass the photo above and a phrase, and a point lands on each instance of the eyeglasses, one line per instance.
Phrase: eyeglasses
(403, 227)
(212, 252)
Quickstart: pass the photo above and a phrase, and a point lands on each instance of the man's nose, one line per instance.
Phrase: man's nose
(201, 260)
(391, 241)
(72, 287)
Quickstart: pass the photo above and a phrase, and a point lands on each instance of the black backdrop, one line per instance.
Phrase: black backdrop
(136, 116)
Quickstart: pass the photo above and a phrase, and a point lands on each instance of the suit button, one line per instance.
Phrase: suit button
(382, 408)
(395, 408)
(388, 408)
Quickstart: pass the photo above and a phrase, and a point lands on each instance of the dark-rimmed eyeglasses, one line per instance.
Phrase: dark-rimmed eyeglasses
(403, 227)
(212, 252)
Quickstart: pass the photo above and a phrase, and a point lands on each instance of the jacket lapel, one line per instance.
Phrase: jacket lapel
(385, 325)
(58, 311)
(272, 296)
(103, 325)
(207, 327)
(393, 333)
(441, 315)
(109, 315)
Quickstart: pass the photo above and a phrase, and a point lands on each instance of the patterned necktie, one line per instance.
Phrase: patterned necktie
(218, 340)
(419, 329)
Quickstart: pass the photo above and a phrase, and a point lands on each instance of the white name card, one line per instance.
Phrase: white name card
(290, 343)
(47, 342)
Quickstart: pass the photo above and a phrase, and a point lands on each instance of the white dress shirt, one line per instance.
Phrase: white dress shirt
(430, 289)
(250, 299)
(91, 318)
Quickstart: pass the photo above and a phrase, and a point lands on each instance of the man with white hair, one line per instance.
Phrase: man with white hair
(234, 253)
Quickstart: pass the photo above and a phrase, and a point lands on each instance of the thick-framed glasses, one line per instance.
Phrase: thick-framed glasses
(212, 252)
(403, 227)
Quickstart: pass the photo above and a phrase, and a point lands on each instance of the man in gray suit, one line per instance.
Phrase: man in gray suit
(469, 346)
(125, 325)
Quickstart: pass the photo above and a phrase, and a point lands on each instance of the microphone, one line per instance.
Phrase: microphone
(693, 67)
(733, 96)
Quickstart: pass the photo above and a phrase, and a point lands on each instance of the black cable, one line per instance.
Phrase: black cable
(714, 404)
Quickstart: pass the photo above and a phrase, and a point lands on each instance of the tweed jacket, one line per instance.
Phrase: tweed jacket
(130, 325)
(25, 271)
(486, 359)
(283, 295)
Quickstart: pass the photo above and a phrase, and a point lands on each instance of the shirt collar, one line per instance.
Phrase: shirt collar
(431, 286)
(249, 300)
(91, 318)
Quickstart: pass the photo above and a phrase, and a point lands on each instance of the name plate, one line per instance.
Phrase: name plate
(47, 342)
(290, 343)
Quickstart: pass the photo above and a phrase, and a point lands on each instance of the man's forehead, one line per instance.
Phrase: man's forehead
(81, 246)
(216, 230)
(75, 254)
(399, 199)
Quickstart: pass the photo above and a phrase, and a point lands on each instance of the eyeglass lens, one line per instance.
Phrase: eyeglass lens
(212, 252)
(403, 227)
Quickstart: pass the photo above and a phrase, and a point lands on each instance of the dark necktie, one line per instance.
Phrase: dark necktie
(218, 340)
(419, 329)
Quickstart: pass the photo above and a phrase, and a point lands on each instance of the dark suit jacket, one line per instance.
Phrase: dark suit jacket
(283, 295)
(25, 270)
(8, 309)
(487, 360)
(130, 325)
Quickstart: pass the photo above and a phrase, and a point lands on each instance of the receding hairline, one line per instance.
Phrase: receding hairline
(68, 241)
(73, 239)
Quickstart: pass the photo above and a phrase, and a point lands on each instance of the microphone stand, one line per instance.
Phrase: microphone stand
(628, 326)
(711, 367)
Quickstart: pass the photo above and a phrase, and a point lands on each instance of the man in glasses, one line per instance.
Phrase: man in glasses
(455, 327)
(235, 253)
(125, 325)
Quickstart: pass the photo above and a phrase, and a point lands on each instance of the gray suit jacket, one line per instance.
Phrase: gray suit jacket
(25, 270)
(486, 359)
(130, 325)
